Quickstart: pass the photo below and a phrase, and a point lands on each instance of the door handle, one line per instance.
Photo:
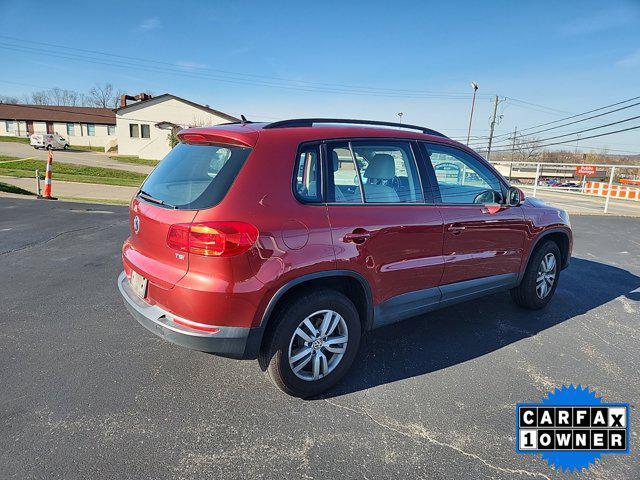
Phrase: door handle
(456, 229)
(358, 236)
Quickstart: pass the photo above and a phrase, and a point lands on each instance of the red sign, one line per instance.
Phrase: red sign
(585, 171)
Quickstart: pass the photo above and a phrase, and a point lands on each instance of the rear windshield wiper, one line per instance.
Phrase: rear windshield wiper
(151, 198)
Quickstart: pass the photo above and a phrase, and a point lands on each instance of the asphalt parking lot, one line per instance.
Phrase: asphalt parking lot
(87, 393)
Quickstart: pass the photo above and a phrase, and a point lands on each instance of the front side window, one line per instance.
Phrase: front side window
(91, 129)
(111, 130)
(134, 130)
(307, 181)
(144, 131)
(70, 129)
(374, 172)
(461, 177)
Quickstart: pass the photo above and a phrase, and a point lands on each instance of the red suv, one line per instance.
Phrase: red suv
(286, 241)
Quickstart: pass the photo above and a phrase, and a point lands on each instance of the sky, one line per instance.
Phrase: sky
(272, 60)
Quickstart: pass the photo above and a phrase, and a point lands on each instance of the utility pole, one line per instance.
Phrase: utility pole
(474, 85)
(400, 114)
(513, 149)
(493, 124)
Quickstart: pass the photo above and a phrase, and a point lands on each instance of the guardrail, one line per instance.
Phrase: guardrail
(598, 180)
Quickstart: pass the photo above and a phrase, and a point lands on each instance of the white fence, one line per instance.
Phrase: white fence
(559, 183)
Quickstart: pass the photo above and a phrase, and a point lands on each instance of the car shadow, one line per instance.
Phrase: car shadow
(460, 333)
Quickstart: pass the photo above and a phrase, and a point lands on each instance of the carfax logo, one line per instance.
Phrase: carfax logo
(572, 428)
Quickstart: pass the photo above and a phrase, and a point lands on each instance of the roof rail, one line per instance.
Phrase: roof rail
(308, 122)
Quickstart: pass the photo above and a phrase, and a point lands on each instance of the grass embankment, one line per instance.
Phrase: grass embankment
(14, 167)
(87, 148)
(14, 139)
(134, 160)
(5, 187)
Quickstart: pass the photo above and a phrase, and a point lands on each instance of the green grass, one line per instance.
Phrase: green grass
(86, 147)
(14, 139)
(71, 172)
(135, 160)
(5, 187)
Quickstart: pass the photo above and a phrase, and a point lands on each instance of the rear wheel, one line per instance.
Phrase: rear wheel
(540, 278)
(314, 343)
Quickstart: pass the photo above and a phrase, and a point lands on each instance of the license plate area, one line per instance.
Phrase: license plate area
(138, 284)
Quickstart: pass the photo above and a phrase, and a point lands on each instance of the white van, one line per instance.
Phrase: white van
(50, 141)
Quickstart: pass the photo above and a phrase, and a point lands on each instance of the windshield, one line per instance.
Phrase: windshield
(195, 176)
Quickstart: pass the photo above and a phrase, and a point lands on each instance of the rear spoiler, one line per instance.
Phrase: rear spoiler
(224, 136)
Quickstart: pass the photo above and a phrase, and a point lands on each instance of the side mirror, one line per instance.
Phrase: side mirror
(515, 197)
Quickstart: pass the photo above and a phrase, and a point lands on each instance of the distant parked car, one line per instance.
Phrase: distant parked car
(49, 141)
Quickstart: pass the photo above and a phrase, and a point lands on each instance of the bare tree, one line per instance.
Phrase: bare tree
(54, 96)
(526, 149)
(104, 96)
(41, 97)
(9, 99)
(61, 96)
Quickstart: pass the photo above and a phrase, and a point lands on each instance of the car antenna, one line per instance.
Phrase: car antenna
(243, 120)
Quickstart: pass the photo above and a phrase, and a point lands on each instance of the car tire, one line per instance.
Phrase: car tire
(66, 146)
(284, 343)
(540, 280)
(49, 147)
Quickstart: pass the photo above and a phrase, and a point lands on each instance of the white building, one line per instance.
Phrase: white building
(144, 128)
(86, 126)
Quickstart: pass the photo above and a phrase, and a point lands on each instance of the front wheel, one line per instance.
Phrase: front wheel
(314, 343)
(540, 278)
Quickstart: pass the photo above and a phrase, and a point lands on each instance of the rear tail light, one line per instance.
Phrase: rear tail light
(215, 239)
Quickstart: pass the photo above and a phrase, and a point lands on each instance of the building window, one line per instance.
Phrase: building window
(111, 130)
(145, 132)
(8, 125)
(70, 129)
(91, 129)
(134, 130)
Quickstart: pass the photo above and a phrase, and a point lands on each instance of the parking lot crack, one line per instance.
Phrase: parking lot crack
(53, 237)
(417, 434)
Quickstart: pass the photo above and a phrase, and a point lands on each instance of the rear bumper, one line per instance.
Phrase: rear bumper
(233, 342)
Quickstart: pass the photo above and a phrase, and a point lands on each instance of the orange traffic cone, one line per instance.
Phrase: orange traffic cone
(47, 179)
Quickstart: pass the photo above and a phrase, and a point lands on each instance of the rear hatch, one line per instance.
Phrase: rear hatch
(36, 139)
(189, 179)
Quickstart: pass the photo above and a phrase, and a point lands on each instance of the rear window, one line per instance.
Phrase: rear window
(193, 177)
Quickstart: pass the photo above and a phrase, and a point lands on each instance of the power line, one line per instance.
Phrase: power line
(575, 116)
(555, 110)
(581, 131)
(227, 72)
(175, 70)
(584, 119)
(583, 138)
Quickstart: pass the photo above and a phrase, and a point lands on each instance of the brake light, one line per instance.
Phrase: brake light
(216, 239)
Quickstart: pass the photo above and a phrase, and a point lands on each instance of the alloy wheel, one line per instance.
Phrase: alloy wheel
(318, 345)
(546, 275)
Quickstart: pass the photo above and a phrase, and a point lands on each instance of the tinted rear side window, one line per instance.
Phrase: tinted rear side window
(195, 176)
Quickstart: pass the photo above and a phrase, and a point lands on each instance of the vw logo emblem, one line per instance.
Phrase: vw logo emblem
(136, 224)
